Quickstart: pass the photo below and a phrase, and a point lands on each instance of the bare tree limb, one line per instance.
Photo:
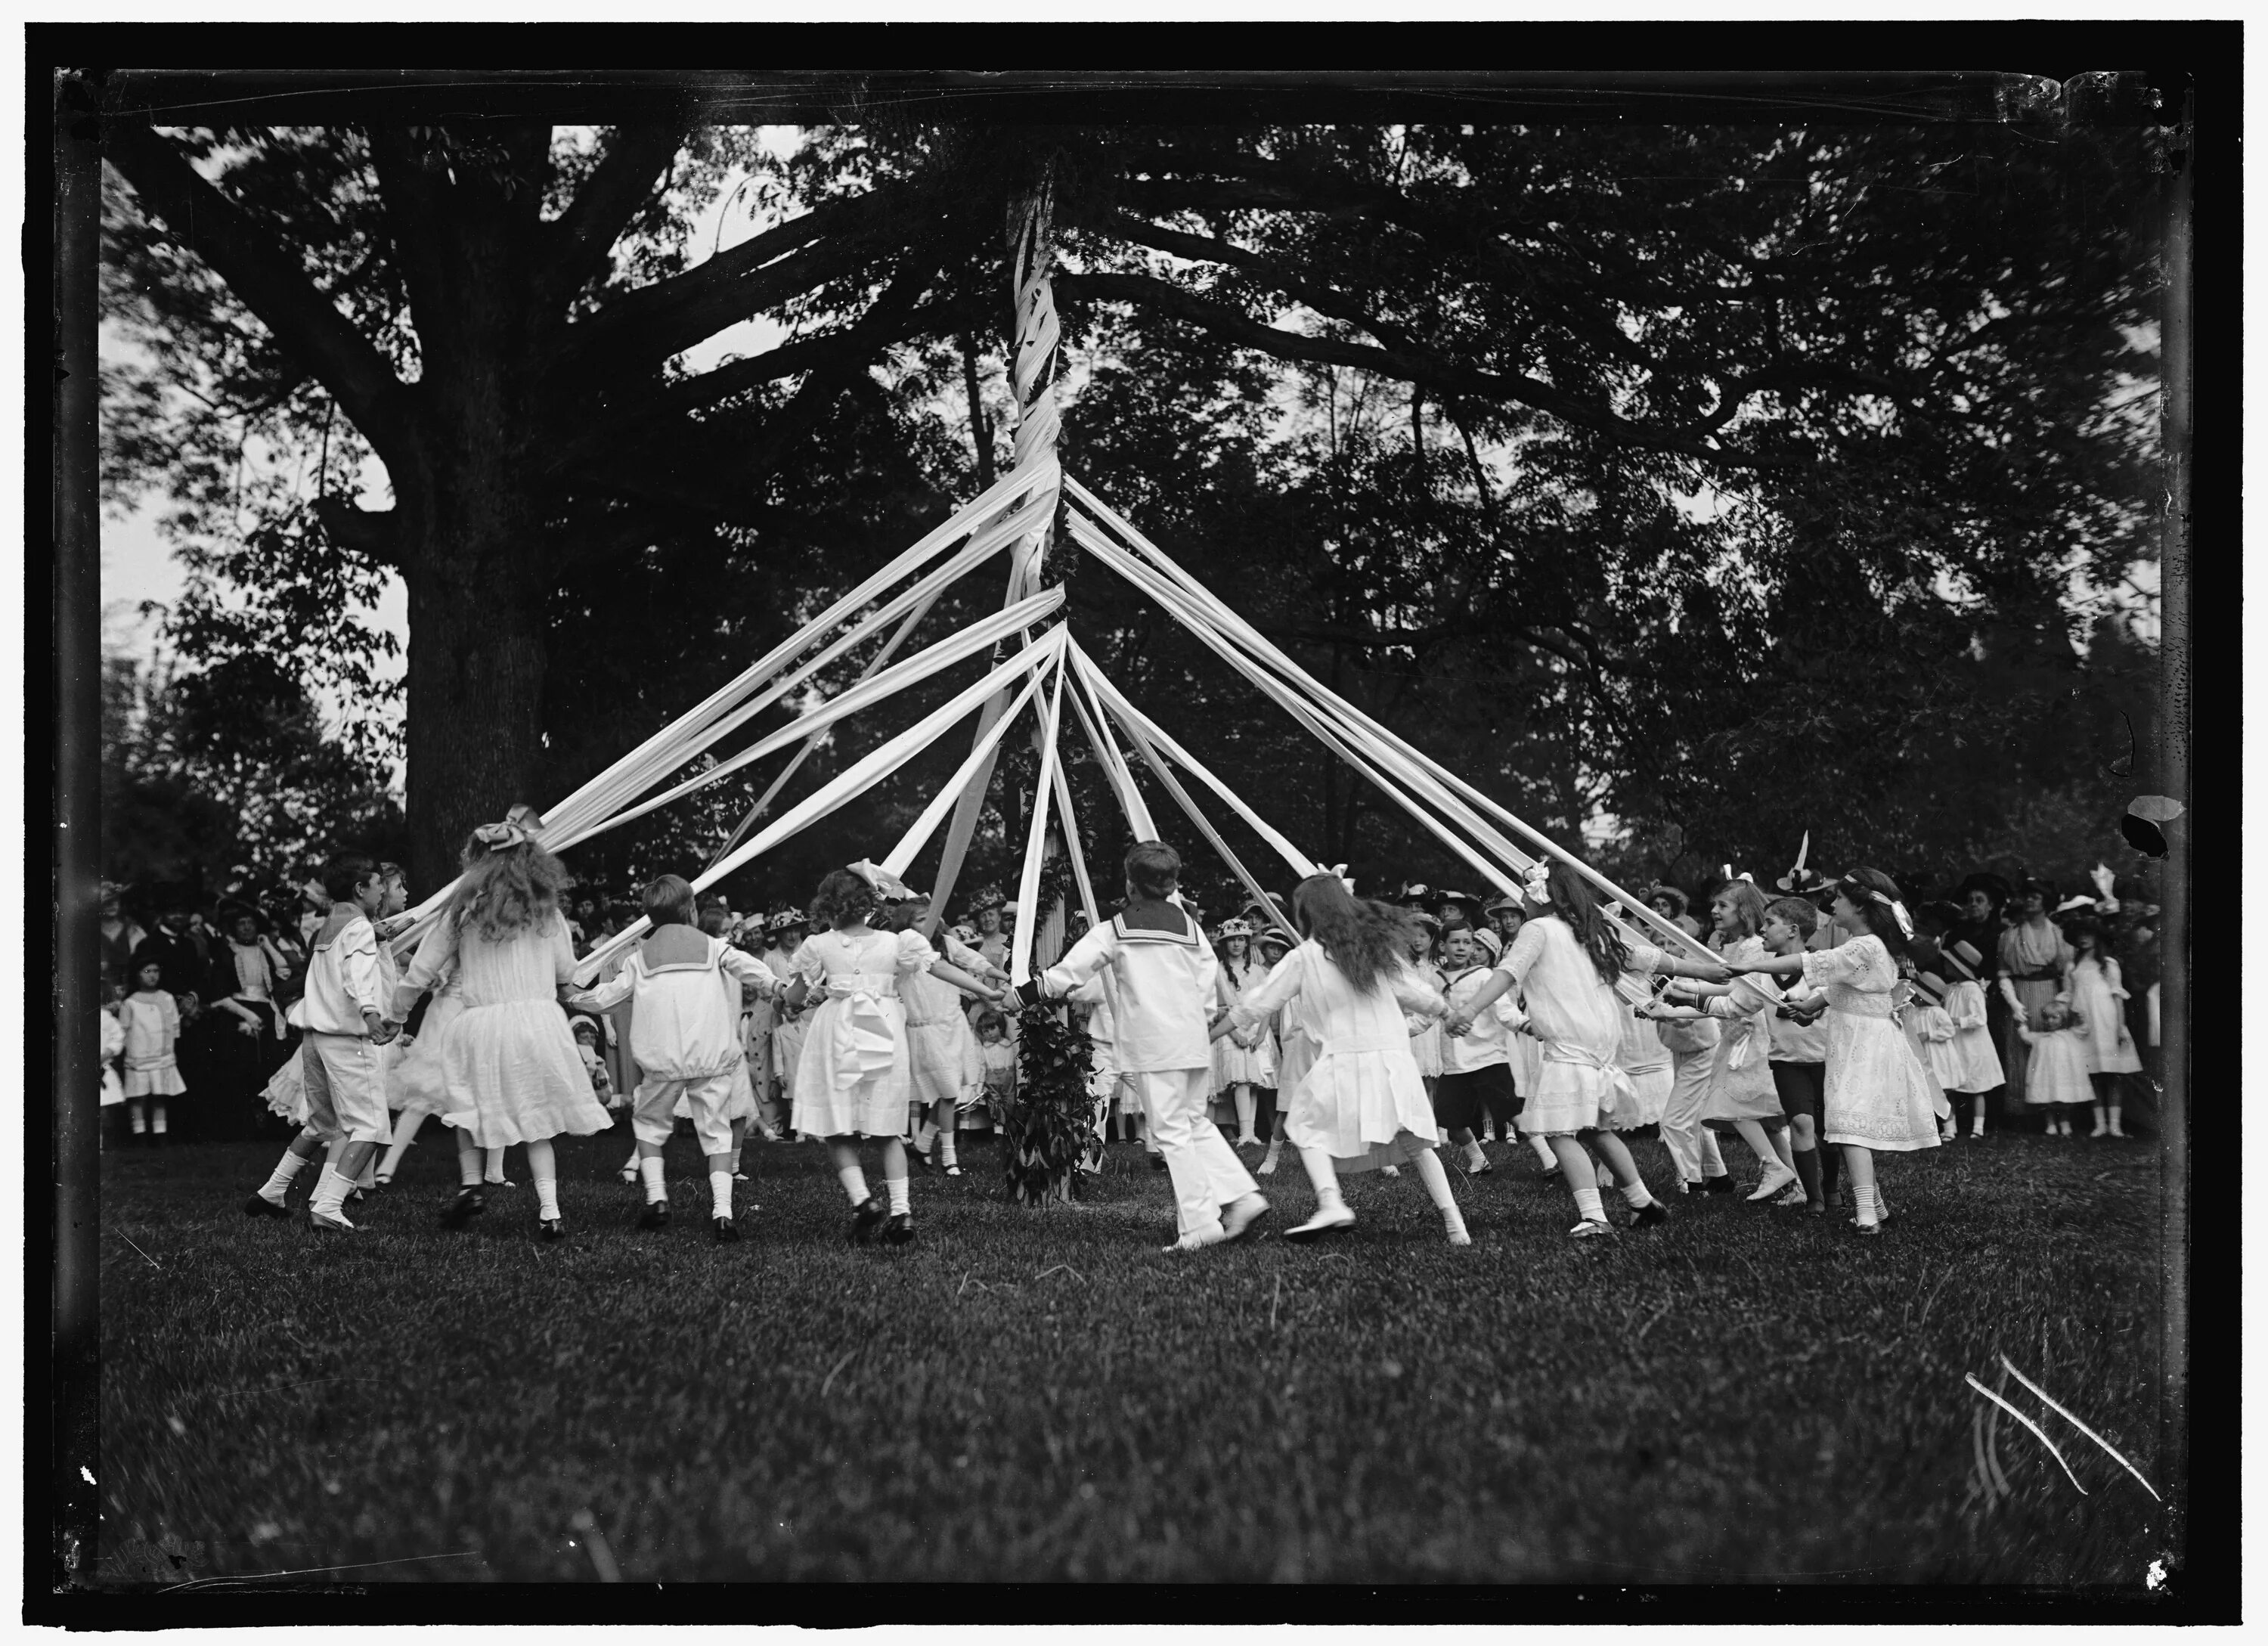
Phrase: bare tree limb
(271, 282)
(374, 534)
(576, 247)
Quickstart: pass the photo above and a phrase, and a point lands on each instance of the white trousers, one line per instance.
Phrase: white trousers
(1692, 1147)
(1206, 1173)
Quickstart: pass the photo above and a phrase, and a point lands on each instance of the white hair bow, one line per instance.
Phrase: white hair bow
(500, 837)
(1340, 869)
(1537, 882)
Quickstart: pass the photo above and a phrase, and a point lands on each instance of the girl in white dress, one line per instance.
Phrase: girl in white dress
(1425, 1031)
(509, 1073)
(152, 1023)
(1242, 1061)
(1977, 1060)
(940, 1043)
(2056, 1075)
(1877, 1096)
(854, 1078)
(1360, 1104)
(1565, 962)
(2098, 995)
(1741, 1096)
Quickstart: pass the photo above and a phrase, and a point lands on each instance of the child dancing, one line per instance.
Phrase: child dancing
(509, 1068)
(1164, 973)
(685, 985)
(1361, 1104)
(1877, 1097)
(1566, 962)
(854, 1076)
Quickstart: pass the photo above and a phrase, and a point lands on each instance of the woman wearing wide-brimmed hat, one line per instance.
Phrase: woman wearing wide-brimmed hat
(1671, 904)
(2035, 970)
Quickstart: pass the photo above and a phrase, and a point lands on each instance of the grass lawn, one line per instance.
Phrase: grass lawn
(1745, 1394)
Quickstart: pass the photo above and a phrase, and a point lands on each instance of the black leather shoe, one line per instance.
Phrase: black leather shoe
(656, 1216)
(723, 1230)
(551, 1229)
(899, 1231)
(1157, 1163)
(469, 1204)
(1652, 1211)
(257, 1205)
(867, 1220)
(1719, 1185)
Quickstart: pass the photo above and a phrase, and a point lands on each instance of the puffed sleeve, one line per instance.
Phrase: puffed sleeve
(2112, 975)
(806, 963)
(914, 953)
(1845, 963)
(1645, 958)
(1526, 950)
(1416, 996)
(427, 966)
(1265, 997)
(563, 950)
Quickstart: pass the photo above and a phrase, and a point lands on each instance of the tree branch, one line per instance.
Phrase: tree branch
(268, 281)
(575, 248)
(855, 345)
(656, 321)
(374, 534)
(1444, 376)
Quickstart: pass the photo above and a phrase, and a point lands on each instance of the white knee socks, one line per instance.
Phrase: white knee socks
(649, 1171)
(1244, 1111)
(1543, 1150)
(544, 1166)
(900, 1195)
(854, 1183)
(1587, 1202)
(330, 1194)
(720, 1194)
(1865, 1195)
(280, 1179)
(495, 1165)
(1322, 1174)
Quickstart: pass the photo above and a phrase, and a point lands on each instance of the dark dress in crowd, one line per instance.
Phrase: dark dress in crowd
(236, 1065)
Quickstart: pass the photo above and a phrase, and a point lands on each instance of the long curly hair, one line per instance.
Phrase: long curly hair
(1570, 899)
(841, 896)
(1877, 916)
(1365, 939)
(506, 891)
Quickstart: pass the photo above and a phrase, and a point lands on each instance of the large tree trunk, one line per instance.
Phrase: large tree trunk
(470, 511)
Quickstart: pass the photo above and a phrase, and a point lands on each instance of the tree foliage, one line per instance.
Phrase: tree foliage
(1706, 484)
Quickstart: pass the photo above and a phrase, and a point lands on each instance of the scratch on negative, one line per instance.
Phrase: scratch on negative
(2028, 1424)
(146, 1258)
(845, 1360)
(2052, 1404)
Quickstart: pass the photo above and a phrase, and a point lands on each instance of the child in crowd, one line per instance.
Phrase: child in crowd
(1243, 1062)
(782, 934)
(1965, 1006)
(854, 1079)
(999, 1056)
(152, 1020)
(685, 984)
(1294, 1048)
(2056, 1075)
(938, 1038)
(2098, 998)
(1475, 1077)
(1799, 1052)
(341, 1018)
(1163, 972)
(1877, 1097)
(586, 1031)
(113, 1046)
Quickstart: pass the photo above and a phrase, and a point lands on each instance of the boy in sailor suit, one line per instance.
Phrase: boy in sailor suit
(1163, 972)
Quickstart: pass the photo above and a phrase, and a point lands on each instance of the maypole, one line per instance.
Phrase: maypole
(1032, 378)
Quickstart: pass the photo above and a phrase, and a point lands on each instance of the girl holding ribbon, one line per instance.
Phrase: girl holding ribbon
(1878, 1096)
(1565, 962)
(855, 1075)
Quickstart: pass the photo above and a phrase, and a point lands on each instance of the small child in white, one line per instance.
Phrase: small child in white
(1476, 1078)
(152, 1023)
(586, 1031)
(342, 1015)
(2055, 1077)
(685, 1035)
